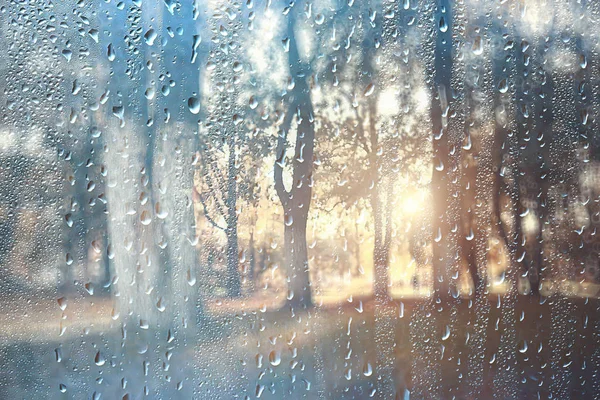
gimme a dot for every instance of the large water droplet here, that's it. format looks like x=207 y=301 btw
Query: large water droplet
x=111 y=53
x=99 y=359
x=443 y=25
x=161 y=213
x=194 y=105
x=150 y=37
x=477 y=46
x=145 y=218
x=275 y=358
x=503 y=86
x=62 y=303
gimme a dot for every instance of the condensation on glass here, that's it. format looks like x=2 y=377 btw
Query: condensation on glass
x=339 y=199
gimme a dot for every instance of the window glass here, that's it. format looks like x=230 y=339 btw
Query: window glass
x=337 y=199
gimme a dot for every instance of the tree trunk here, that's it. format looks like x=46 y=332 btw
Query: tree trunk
x=443 y=257
x=296 y=201
x=234 y=284
x=382 y=213
x=252 y=262
x=357 y=255
x=467 y=237
x=380 y=273
x=299 y=294
x=234 y=287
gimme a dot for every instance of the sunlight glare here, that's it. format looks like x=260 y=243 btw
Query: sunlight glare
x=388 y=102
x=412 y=204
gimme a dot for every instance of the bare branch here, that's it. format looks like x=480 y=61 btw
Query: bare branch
x=207 y=216
x=330 y=210
x=361 y=132
x=211 y=186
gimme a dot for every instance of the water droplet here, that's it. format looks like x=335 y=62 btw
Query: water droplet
x=359 y=309
x=119 y=112
x=439 y=166
x=195 y=44
x=275 y=358
x=76 y=87
x=160 y=305
x=150 y=37
x=69 y=220
x=523 y=347
x=99 y=360
x=194 y=105
x=161 y=213
x=238 y=66
x=348 y=374
x=443 y=25
x=286 y=44
x=170 y=4
x=477 y=46
x=367 y=369
x=145 y=218
x=259 y=390
x=289 y=220
x=111 y=53
x=446 y=334
x=583 y=61
x=237 y=119
x=67 y=54
x=503 y=86
x=150 y=93
x=89 y=288
x=110 y=252
x=62 y=303
x=470 y=235
x=191 y=278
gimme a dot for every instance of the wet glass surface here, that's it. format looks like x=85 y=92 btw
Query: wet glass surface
x=301 y=200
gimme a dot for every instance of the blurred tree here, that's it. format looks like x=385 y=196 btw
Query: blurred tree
x=296 y=201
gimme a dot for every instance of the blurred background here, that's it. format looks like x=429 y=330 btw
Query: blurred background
x=333 y=199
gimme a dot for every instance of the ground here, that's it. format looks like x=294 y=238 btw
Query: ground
x=501 y=347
